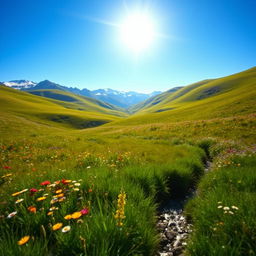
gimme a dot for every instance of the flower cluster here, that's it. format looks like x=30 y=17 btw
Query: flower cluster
x=227 y=209
x=48 y=198
x=119 y=216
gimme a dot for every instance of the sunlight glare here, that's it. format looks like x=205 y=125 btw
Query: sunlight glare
x=138 y=32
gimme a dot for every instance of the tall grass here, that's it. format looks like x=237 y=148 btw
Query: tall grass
x=224 y=212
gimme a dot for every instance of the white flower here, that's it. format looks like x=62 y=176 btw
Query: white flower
x=88 y=167
x=220 y=206
x=66 y=229
x=76 y=189
x=230 y=212
x=226 y=208
x=219 y=202
x=234 y=207
x=77 y=184
x=11 y=215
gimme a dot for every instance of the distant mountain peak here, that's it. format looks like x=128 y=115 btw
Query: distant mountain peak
x=20 y=84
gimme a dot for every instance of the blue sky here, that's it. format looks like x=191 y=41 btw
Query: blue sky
x=65 y=42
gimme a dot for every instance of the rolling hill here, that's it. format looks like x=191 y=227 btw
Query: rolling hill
x=222 y=97
x=78 y=113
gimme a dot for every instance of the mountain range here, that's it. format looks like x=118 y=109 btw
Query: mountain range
x=119 y=98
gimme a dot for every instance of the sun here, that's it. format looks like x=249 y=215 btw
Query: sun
x=137 y=31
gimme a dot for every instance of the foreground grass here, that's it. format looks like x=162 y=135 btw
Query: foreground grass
x=91 y=182
x=224 y=211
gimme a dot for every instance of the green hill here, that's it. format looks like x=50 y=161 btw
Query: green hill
x=17 y=107
x=73 y=101
x=222 y=97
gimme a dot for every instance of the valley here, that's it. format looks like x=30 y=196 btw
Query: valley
x=82 y=176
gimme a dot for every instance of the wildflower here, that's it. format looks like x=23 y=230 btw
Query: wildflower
x=33 y=190
x=45 y=183
x=49 y=213
x=63 y=181
x=7 y=175
x=68 y=217
x=41 y=198
x=19 y=192
x=230 y=212
x=76 y=189
x=220 y=206
x=66 y=229
x=119 y=216
x=76 y=215
x=89 y=190
x=59 y=195
x=80 y=221
x=234 y=207
x=7 y=167
x=57 y=226
x=226 y=208
x=61 y=199
x=54 y=208
x=77 y=184
x=84 y=211
x=58 y=191
x=219 y=202
x=19 y=201
x=11 y=215
x=32 y=209
x=23 y=240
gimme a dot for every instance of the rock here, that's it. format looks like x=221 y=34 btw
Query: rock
x=177 y=251
x=170 y=235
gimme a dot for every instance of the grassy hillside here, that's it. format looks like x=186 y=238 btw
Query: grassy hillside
x=73 y=101
x=16 y=104
x=219 y=98
x=97 y=191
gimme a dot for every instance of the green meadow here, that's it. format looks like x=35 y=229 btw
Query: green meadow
x=81 y=177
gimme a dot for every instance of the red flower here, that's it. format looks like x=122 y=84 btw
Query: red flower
x=84 y=211
x=45 y=183
x=33 y=190
x=7 y=167
x=63 y=181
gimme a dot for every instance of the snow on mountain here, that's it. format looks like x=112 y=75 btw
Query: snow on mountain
x=20 y=84
x=122 y=99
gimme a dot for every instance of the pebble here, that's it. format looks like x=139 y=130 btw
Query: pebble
x=174 y=231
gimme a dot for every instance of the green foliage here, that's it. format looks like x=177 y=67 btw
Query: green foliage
x=224 y=211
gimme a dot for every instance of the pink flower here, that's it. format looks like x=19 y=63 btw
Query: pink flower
x=84 y=211
x=45 y=183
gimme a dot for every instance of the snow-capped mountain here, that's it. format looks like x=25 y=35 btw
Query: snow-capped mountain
x=20 y=84
x=119 y=98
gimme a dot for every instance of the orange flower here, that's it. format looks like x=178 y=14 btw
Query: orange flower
x=68 y=217
x=58 y=191
x=32 y=209
x=23 y=240
x=57 y=226
x=50 y=213
x=60 y=195
x=89 y=190
x=76 y=215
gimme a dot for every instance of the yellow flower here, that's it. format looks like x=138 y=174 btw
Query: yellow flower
x=57 y=226
x=76 y=215
x=68 y=217
x=119 y=216
x=41 y=198
x=50 y=213
x=58 y=191
x=23 y=240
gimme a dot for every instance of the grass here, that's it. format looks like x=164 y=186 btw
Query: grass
x=100 y=179
x=149 y=157
x=224 y=212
